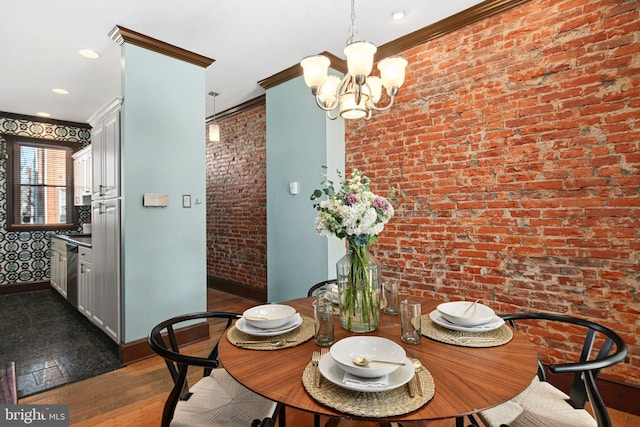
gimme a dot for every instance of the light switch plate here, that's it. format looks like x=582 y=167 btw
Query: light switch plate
x=186 y=200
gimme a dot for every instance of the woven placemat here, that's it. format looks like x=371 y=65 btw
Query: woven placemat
x=369 y=404
x=494 y=338
x=302 y=333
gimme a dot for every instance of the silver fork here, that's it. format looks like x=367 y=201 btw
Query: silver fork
x=315 y=358
x=317 y=374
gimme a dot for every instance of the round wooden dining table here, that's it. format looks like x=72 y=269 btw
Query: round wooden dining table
x=467 y=379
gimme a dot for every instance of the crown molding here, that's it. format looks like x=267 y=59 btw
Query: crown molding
x=247 y=105
x=294 y=71
x=445 y=26
x=461 y=19
x=122 y=35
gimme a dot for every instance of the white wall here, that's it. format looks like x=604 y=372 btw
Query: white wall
x=163 y=151
x=300 y=139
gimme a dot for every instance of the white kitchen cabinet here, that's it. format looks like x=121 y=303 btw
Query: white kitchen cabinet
x=86 y=286
x=105 y=140
x=105 y=216
x=82 y=175
x=59 y=266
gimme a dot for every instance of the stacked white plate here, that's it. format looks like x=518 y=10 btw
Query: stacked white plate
x=454 y=315
x=269 y=320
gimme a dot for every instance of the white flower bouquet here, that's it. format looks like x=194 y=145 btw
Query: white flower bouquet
x=354 y=212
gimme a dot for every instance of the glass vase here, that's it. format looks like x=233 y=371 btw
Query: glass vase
x=359 y=275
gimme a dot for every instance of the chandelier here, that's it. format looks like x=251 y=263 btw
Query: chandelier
x=356 y=95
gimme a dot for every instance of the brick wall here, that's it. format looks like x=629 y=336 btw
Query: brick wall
x=515 y=146
x=236 y=200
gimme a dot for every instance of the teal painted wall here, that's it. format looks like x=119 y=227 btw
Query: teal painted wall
x=299 y=140
x=163 y=249
x=335 y=151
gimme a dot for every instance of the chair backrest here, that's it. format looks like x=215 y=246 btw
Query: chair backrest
x=590 y=362
x=313 y=288
x=163 y=341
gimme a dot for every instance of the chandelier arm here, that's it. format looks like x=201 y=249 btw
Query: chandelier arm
x=343 y=84
x=330 y=117
x=358 y=89
x=375 y=107
x=321 y=105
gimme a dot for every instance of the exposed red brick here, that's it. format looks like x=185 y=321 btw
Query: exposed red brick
x=528 y=163
x=236 y=200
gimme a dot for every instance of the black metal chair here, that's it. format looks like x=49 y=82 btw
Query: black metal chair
x=215 y=400
x=543 y=404
x=315 y=287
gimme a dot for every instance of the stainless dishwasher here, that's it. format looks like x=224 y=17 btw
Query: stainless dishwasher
x=72 y=273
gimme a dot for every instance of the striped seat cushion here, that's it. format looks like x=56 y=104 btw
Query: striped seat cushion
x=219 y=400
x=540 y=404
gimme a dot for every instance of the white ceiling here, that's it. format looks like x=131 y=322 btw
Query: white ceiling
x=249 y=40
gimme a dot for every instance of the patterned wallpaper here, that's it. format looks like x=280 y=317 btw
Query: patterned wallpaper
x=25 y=256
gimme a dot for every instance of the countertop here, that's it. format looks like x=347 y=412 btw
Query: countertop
x=79 y=239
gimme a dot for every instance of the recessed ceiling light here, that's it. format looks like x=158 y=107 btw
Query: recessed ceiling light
x=398 y=14
x=43 y=114
x=88 y=53
x=60 y=91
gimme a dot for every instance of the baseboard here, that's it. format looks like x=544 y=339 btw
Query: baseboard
x=18 y=288
x=138 y=350
x=236 y=288
x=616 y=395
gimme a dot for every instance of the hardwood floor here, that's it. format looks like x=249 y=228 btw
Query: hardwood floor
x=135 y=394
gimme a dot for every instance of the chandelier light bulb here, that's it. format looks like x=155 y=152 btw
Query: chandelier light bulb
x=360 y=58
x=329 y=89
x=350 y=109
x=392 y=71
x=315 y=70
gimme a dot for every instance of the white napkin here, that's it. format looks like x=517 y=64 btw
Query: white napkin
x=335 y=294
x=491 y=324
x=375 y=382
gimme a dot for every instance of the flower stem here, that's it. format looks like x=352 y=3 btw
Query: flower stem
x=360 y=302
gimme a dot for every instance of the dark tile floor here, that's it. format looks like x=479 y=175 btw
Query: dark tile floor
x=51 y=342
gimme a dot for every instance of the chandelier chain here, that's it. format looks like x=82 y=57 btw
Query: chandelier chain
x=353 y=29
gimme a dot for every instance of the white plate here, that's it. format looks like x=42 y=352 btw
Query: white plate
x=244 y=326
x=334 y=373
x=495 y=323
x=466 y=313
x=345 y=350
